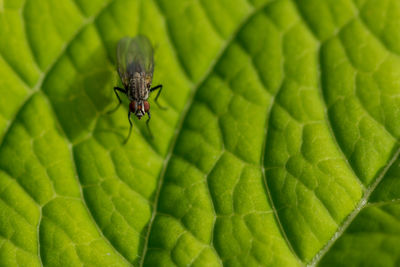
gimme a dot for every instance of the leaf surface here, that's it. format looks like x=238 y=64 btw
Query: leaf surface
x=279 y=146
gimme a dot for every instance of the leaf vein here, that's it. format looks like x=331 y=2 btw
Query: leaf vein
x=361 y=204
x=184 y=114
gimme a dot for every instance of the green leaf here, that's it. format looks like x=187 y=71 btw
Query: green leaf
x=279 y=146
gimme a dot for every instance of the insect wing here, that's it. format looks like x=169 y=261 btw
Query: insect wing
x=134 y=55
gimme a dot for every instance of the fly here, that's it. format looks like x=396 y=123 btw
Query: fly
x=135 y=66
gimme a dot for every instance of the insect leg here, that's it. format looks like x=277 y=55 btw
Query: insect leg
x=158 y=94
x=130 y=128
x=119 y=99
x=147 y=124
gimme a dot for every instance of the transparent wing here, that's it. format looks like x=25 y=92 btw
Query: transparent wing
x=134 y=55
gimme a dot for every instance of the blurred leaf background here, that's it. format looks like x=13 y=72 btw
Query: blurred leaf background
x=279 y=146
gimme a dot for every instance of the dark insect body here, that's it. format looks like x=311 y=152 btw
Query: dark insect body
x=135 y=65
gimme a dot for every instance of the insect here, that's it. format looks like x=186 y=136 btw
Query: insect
x=135 y=66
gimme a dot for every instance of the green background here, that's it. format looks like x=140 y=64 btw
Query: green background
x=279 y=146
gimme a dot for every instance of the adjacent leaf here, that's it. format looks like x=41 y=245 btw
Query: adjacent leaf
x=279 y=146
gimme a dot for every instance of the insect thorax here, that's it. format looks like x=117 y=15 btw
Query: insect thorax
x=138 y=86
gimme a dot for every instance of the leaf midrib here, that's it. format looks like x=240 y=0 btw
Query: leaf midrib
x=177 y=133
x=198 y=85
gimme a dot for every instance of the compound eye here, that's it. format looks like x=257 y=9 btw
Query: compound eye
x=146 y=106
x=148 y=85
